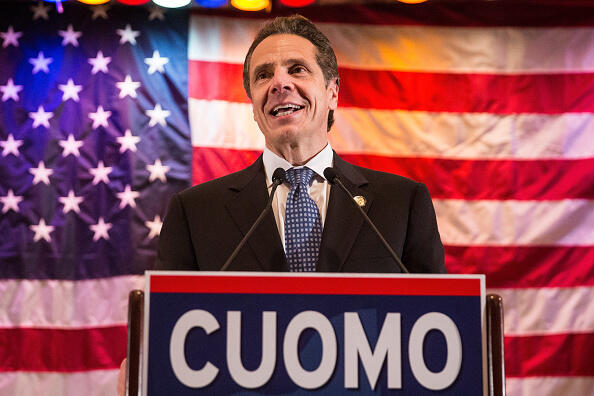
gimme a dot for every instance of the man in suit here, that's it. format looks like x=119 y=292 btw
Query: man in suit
x=291 y=76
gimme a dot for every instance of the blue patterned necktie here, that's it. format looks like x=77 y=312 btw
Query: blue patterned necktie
x=303 y=227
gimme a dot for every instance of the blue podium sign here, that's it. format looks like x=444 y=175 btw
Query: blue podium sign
x=236 y=333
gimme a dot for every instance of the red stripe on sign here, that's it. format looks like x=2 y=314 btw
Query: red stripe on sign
x=445 y=178
x=313 y=285
x=436 y=92
x=524 y=266
x=62 y=350
x=550 y=355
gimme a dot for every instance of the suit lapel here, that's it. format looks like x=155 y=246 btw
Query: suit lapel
x=343 y=221
x=249 y=198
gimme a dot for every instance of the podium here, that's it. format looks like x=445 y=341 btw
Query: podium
x=252 y=333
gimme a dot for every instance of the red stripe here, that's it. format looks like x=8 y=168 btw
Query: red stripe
x=445 y=178
x=438 y=92
x=524 y=266
x=326 y=285
x=62 y=350
x=549 y=355
x=507 y=13
x=211 y=162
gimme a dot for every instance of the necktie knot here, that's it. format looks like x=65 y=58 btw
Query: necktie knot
x=299 y=176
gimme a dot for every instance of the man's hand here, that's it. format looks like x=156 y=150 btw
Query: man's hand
x=122 y=379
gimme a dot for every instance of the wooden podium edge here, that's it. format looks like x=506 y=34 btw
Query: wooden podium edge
x=495 y=345
x=134 y=349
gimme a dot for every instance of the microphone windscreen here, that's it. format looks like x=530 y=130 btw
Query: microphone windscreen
x=330 y=174
x=279 y=175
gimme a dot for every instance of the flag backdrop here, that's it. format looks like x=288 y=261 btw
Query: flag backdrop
x=491 y=108
x=94 y=139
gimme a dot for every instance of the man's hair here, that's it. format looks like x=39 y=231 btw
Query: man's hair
x=300 y=26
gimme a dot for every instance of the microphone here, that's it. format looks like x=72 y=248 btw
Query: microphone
x=278 y=178
x=332 y=177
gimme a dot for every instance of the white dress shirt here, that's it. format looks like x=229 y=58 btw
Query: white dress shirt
x=319 y=188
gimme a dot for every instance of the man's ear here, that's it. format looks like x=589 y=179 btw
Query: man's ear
x=332 y=91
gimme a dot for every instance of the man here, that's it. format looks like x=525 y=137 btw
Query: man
x=291 y=76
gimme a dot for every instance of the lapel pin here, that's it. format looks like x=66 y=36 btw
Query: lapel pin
x=360 y=200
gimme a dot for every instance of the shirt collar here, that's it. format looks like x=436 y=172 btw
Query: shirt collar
x=318 y=164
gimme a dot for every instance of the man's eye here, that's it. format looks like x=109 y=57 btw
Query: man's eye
x=261 y=76
x=298 y=69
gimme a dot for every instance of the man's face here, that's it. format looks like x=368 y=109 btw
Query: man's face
x=290 y=99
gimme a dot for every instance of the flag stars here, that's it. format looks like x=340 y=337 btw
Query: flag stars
x=100 y=117
x=10 y=91
x=100 y=63
x=128 y=87
x=41 y=117
x=40 y=11
x=10 y=146
x=41 y=174
x=41 y=63
x=69 y=36
x=156 y=13
x=158 y=171
x=157 y=115
x=10 y=37
x=70 y=91
x=10 y=202
x=100 y=173
x=71 y=202
x=154 y=226
x=42 y=231
x=99 y=11
x=127 y=197
x=128 y=35
x=100 y=230
x=156 y=63
x=128 y=141
x=70 y=146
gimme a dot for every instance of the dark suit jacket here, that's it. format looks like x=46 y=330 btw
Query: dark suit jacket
x=206 y=222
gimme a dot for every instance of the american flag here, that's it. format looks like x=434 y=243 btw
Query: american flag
x=491 y=107
x=94 y=139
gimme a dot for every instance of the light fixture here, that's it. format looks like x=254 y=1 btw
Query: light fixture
x=93 y=2
x=133 y=2
x=250 y=5
x=412 y=1
x=297 y=3
x=172 y=3
x=211 y=3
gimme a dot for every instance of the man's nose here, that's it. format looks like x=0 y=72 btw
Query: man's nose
x=281 y=82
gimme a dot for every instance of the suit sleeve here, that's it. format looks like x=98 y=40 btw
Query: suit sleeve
x=175 y=250
x=423 y=251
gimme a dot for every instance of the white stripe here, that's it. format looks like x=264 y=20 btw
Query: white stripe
x=561 y=223
x=88 y=383
x=542 y=311
x=221 y=124
x=398 y=133
x=550 y=386
x=416 y=48
x=66 y=304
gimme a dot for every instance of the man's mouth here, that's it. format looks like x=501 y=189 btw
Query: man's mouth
x=285 y=109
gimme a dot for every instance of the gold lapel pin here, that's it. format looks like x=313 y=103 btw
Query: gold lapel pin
x=360 y=200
